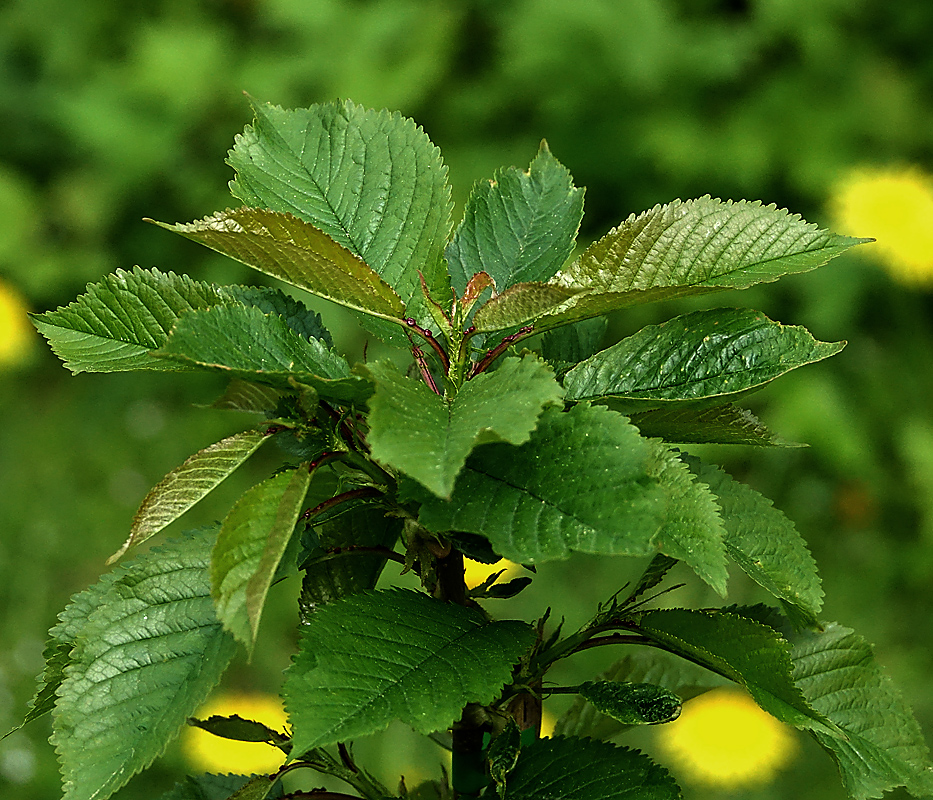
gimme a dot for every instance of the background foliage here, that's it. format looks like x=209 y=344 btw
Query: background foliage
x=116 y=112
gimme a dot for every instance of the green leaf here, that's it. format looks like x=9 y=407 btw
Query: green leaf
x=726 y=424
x=656 y=667
x=258 y=787
x=748 y=652
x=693 y=530
x=338 y=567
x=584 y=482
x=581 y=483
x=58 y=650
x=250 y=545
x=676 y=250
x=115 y=325
x=703 y=244
x=573 y=343
x=632 y=703
x=244 y=343
x=253 y=398
x=306 y=323
x=374 y=657
x=145 y=660
x=238 y=729
x=522 y=303
x=188 y=484
x=503 y=753
x=518 y=227
x=701 y=358
x=583 y=769
x=371 y=180
x=883 y=746
x=763 y=542
x=429 y=437
x=293 y=251
x=211 y=787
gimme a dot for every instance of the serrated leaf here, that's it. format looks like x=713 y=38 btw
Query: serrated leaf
x=692 y=530
x=883 y=746
x=290 y=249
x=581 y=483
x=726 y=424
x=371 y=180
x=429 y=437
x=145 y=660
x=188 y=484
x=374 y=657
x=681 y=677
x=675 y=250
x=518 y=227
x=250 y=545
x=244 y=343
x=748 y=652
x=115 y=325
x=306 y=323
x=254 y=398
x=58 y=650
x=763 y=542
x=585 y=482
x=632 y=703
x=703 y=358
x=258 y=787
x=338 y=567
x=583 y=769
x=209 y=787
x=522 y=303
x=703 y=244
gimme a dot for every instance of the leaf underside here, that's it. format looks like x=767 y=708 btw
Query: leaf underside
x=884 y=746
x=250 y=545
x=188 y=484
x=675 y=250
x=371 y=180
x=146 y=658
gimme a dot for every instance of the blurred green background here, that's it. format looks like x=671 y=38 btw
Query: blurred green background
x=116 y=111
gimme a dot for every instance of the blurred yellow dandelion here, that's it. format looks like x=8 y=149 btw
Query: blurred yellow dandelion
x=16 y=333
x=722 y=738
x=208 y=753
x=894 y=206
x=475 y=572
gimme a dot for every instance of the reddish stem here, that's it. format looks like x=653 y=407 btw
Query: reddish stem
x=429 y=338
x=499 y=349
x=354 y=494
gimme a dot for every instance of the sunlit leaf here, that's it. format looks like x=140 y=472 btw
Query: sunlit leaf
x=188 y=484
x=296 y=252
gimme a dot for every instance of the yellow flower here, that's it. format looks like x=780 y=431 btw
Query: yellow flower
x=723 y=739
x=894 y=206
x=208 y=753
x=475 y=572
x=16 y=333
